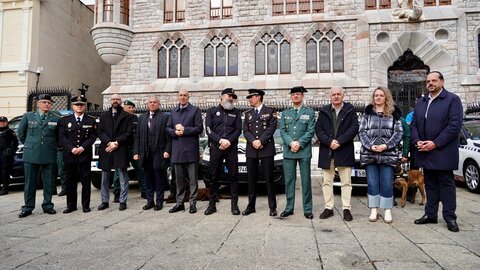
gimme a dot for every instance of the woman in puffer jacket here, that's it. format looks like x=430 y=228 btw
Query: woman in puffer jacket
x=380 y=132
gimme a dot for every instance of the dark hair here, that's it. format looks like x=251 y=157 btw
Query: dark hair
x=440 y=75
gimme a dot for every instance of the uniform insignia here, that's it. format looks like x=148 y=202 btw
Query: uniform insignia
x=69 y=125
x=232 y=115
x=218 y=113
x=86 y=126
x=250 y=117
x=305 y=117
x=52 y=123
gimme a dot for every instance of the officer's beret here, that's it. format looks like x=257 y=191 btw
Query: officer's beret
x=298 y=89
x=255 y=92
x=3 y=119
x=79 y=100
x=129 y=102
x=45 y=97
x=230 y=92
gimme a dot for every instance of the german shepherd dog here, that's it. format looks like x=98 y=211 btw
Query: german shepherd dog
x=414 y=179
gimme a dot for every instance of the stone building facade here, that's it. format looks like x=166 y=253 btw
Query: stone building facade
x=440 y=35
x=47 y=44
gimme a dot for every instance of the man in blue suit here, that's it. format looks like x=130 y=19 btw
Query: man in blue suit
x=435 y=127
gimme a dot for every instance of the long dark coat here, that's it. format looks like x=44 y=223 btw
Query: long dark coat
x=161 y=141
x=445 y=117
x=110 y=130
x=185 y=149
x=347 y=130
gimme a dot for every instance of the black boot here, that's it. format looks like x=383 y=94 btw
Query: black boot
x=212 y=208
x=3 y=192
x=235 y=210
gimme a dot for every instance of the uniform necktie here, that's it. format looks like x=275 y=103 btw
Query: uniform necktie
x=78 y=120
x=256 y=113
x=44 y=117
x=296 y=113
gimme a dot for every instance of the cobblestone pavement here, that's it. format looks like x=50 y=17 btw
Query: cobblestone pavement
x=138 y=239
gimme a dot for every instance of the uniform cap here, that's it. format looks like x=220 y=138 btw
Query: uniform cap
x=230 y=92
x=79 y=100
x=298 y=89
x=44 y=97
x=3 y=119
x=129 y=102
x=255 y=92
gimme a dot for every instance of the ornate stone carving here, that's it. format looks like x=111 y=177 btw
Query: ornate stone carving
x=410 y=10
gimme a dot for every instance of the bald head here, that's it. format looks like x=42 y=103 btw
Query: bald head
x=116 y=100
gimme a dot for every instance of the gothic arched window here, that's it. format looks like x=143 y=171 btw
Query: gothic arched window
x=221 y=57
x=272 y=55
x=173 y=60
x=325 y=53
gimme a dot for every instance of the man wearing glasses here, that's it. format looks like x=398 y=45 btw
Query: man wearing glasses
x=77 y=133
x=39 y=132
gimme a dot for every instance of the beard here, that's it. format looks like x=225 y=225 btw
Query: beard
x=227 y=105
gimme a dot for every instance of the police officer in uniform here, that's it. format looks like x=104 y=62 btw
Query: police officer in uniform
x=297 y=126
x=77 y=133
x=224 y=125
x=8 y=147
x=258 y=128
x=39 y=132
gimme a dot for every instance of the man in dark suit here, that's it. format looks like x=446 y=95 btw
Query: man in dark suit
x=185 y=126
x=114 y=131
x=152 y=149
x=258 y=128
x=77 y=133
x=39 y=133
x=8 y=148
x=435 y=127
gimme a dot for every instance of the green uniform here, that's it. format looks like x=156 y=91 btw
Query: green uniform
x=297 y=126
x=39 y=137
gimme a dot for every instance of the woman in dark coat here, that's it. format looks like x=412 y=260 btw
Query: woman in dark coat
x=380 y=133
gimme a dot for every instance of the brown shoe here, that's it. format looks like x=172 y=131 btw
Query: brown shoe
x=347 y=216
x=326 y=214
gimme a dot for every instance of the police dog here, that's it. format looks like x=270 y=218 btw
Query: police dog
x=414 y=179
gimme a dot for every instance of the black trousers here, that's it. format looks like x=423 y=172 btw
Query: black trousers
x=440 y=187
x=266 y=164
x=6 y=163
x=155 y=180
x=217 y=157
x=75 y=172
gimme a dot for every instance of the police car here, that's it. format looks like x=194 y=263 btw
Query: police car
x=359 y=176
x=469 y=150
x=242 y=164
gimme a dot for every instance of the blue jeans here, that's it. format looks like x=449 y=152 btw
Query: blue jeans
x=380 y=185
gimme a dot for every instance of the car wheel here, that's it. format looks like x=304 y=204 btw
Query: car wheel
x=471 y=174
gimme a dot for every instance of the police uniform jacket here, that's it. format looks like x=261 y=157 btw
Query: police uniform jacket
x=445 y=118
x=111 y=130
x=73 y=134
x=186 y=148
x=299 y=127
x=39 y=139
x=261 y=128
x=8 y=142
x=223 y=124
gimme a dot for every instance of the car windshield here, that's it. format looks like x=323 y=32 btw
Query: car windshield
x=473 y=129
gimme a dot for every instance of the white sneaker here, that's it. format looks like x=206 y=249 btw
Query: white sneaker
x=373 y=215
x=388 y=216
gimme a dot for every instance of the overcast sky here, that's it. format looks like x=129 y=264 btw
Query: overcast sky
x=88 y=2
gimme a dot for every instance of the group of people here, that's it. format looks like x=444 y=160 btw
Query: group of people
x=156 y=139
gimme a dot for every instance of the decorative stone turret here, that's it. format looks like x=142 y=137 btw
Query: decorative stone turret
x=111 y=33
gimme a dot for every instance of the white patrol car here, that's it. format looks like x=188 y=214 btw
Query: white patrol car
x=469 y=149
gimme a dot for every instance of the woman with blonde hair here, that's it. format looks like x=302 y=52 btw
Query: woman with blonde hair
x=380 y=133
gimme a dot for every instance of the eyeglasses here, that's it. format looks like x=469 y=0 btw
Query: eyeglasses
x=115 y=99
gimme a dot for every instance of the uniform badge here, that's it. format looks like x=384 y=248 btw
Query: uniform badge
x=250 y=117
x=69 y=125
x=218 y=113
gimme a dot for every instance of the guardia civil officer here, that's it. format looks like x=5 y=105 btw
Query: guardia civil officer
x=297 y=126
x=8 y=147
x=224 y=126
x=258 y=128
x=39 y=133
x=77 y=133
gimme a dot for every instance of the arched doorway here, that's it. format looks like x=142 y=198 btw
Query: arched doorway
x=407 y=80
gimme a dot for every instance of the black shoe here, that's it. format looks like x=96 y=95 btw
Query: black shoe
x=326 y=213
x=177 y=208
x=158 y=207
x=103 y=206
x=122 y=206
x=235 y=210
x=143 y=195
x=69 y=210
x=248 y=211
x=148 y=206
x=86 y=209
x=24 y=214
x=116 y=198
x=308 y=215
x=212 y=208
x=286 y=214
x=452 y=226
x=347 y=216
x=62 y=193
x=193 y=209
x=3 y=192
x=50 y=211
x=54 y=192
x=273 y=212
x=425 y=220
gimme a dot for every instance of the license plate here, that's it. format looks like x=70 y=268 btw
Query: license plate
x=359 y=173
x=242 y=169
